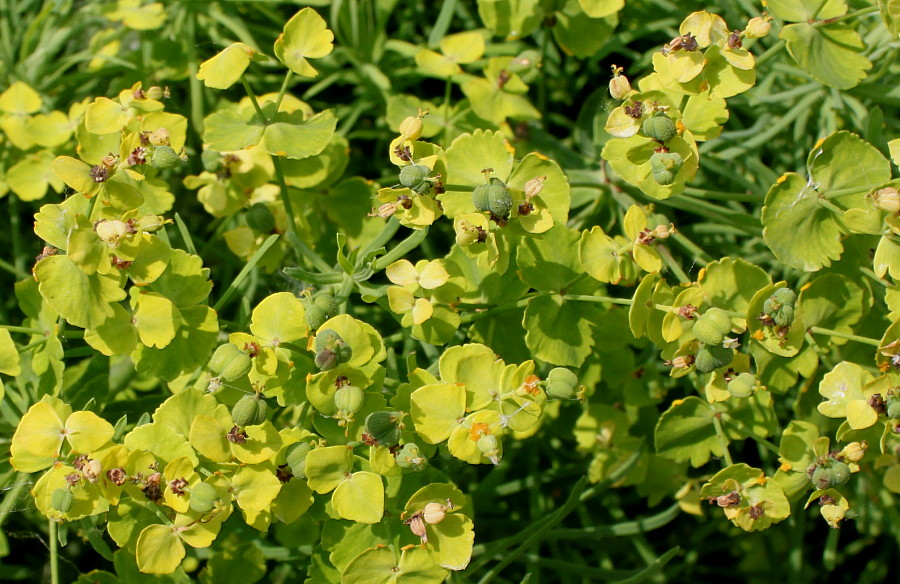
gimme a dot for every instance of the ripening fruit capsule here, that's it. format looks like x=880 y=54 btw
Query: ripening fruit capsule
x=349 y=399
x=327 y=303
x=384 y=427
x=434 y=513
x=489 y=446
x=711 y=357
x=742 y=386
x=561 y=384
x=260 y=218
x=411 y=128
x=203 y=498
x=758 y=27
x=315 y=316
x=665 y=166
x=619 y=87
x=494 y=198
x=230 y=363
x=62 y=500
x=165 y=157
x=250 y=410
x=887 y=199
x=831 y=474
x=411 y=457
x=712 y=326
x=660 y=127
x=892 y=408
x=110 y=231
x=331 y=350
x=780 y=306
x=466 y=233
x=415 y=177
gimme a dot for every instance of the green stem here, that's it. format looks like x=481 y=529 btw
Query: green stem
x=743 y=428
x=283 y=90
x=195 y=88
x=252 y=96
x=740 y=197
x=673 y=266
x=848 y=16
x=300 y=247
x=816 y=330
x=54 y=552
x=693 y=248
x=723 y=441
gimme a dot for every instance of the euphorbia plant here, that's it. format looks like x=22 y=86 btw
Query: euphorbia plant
x=475 y=308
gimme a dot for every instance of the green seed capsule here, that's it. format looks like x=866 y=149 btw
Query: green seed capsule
x=230 y=363
x=411 y=128
x=742 y=386
x=62 y=500
x=260 y=218
x=221 y=357
x=711 y=357
x=822 y=478
x=415 y=177
x=238 y=367
x=327 y=303
x=494 y=198
x=315 y=316
x=831 y=474
x=250 y=410
x=780 y=306
x=893 y=408
x=561 y=384
x=348 y=399
x=466 y=233
x=331 y=350
x=203 y=498
x=164 y=157
x=665 y=167
x=384 y=427
x=660 y=127
x=841 y=472
x=411 y=457
x=712 y=326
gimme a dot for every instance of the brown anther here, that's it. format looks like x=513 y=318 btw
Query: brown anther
x=729 y=499
x=525 y=209
x=80 y=461
x=116 y=476
x=876 y=402
x=757 y=511
x=734 y=40
x=646 y=237
x=765 y=319
x=403 y=153
x=99 y=173
x=635 y=110
x=178 y=486
x=687 y=311
x=283 y=473
x=137 y=157
x=503 y=78
x=236 y=435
